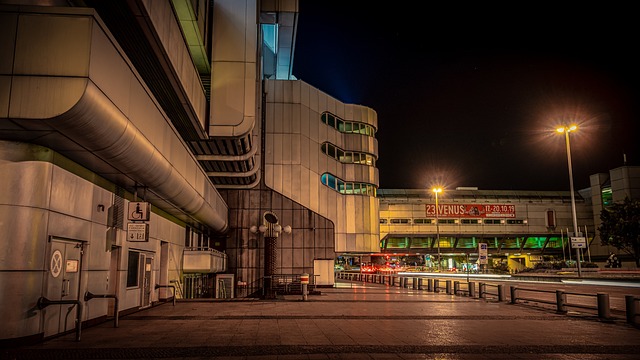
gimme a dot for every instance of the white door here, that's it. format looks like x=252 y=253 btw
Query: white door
x=63 y=283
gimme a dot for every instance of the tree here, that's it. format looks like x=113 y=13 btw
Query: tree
x=620 y=227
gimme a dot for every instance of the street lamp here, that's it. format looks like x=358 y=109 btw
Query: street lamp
x=566 y=130
x=437 y=191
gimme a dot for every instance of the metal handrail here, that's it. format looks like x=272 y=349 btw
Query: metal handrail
x=43 y=302
x=88 y=296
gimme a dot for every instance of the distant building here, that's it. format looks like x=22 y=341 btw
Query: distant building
x=520 y=228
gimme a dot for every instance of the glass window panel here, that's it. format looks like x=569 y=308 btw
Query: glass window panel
x=556 y=242
x=331 y=121
x=340 y=125
x=492 y=242
x=331 y=181
x=511 y=243
x=397 y=243
x=446 y=242
x=535 y=242
x=331 y=151
x=421 y=243
x=467 y=243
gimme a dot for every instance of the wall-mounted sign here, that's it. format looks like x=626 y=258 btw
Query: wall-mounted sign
x=472 y=210
x=138 y=211
x=72 y=266
x=137 y=232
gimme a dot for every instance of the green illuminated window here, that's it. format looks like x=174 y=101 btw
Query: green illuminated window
x=556 y=242
x=535 y=242
x=511 y=243
x=467 y=243
x=397 y=243
x=607 y=196
x=421 y=243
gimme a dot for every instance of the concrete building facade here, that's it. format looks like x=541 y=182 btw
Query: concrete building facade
x=153 y=148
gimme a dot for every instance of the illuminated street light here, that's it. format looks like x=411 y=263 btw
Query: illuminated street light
x=566 y=131
x=437 y=191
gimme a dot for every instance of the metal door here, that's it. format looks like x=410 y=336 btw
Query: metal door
x=63 y=283
x=146 y=281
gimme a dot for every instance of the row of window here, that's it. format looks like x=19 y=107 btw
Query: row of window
x=347 y=127
x=472 y=242
x=455 y=221
x=348 y=157
x=349 y=188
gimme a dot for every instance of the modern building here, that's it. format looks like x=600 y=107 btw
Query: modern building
x=519 y=228
x=152 y=147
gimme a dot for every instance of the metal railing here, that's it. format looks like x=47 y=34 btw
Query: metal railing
x=602 y=300
x=497 y=291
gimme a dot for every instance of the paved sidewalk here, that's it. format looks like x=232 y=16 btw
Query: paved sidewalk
x=349 y=321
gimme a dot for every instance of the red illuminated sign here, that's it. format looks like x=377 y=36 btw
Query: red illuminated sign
x=472 y=210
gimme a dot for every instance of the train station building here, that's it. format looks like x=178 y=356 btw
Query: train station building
x=159 y=149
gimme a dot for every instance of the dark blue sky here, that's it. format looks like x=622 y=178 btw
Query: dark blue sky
x=469 y=96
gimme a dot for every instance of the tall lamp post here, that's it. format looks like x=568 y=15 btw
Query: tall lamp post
x=437 y=191
x=566 y=130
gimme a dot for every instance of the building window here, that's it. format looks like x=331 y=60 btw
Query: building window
x=400 y=221
x=348 y=188
x=470 y=221
x=423 y=221
x=348 y=157
x=515 y=222
x=347 y=127
x=133 y=268
x=492 y=221
x=446 y=221
x=383 y=221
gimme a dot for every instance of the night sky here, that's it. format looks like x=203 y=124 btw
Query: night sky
x=471 y=95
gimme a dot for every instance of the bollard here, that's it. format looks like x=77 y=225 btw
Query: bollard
x=436 y=285
x=406 y=282
x=561 y=302
x=448 y=286
x=604 y=310
x=304 y=281
x=631 y=303
x=501 y=292
x=456 y=287
x=415 y=284
x=514 y=297
x=420 y=283
x=481 y=291
x=429 y=284
x=472 y=289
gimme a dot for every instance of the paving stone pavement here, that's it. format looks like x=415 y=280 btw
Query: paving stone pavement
x=349 y=321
